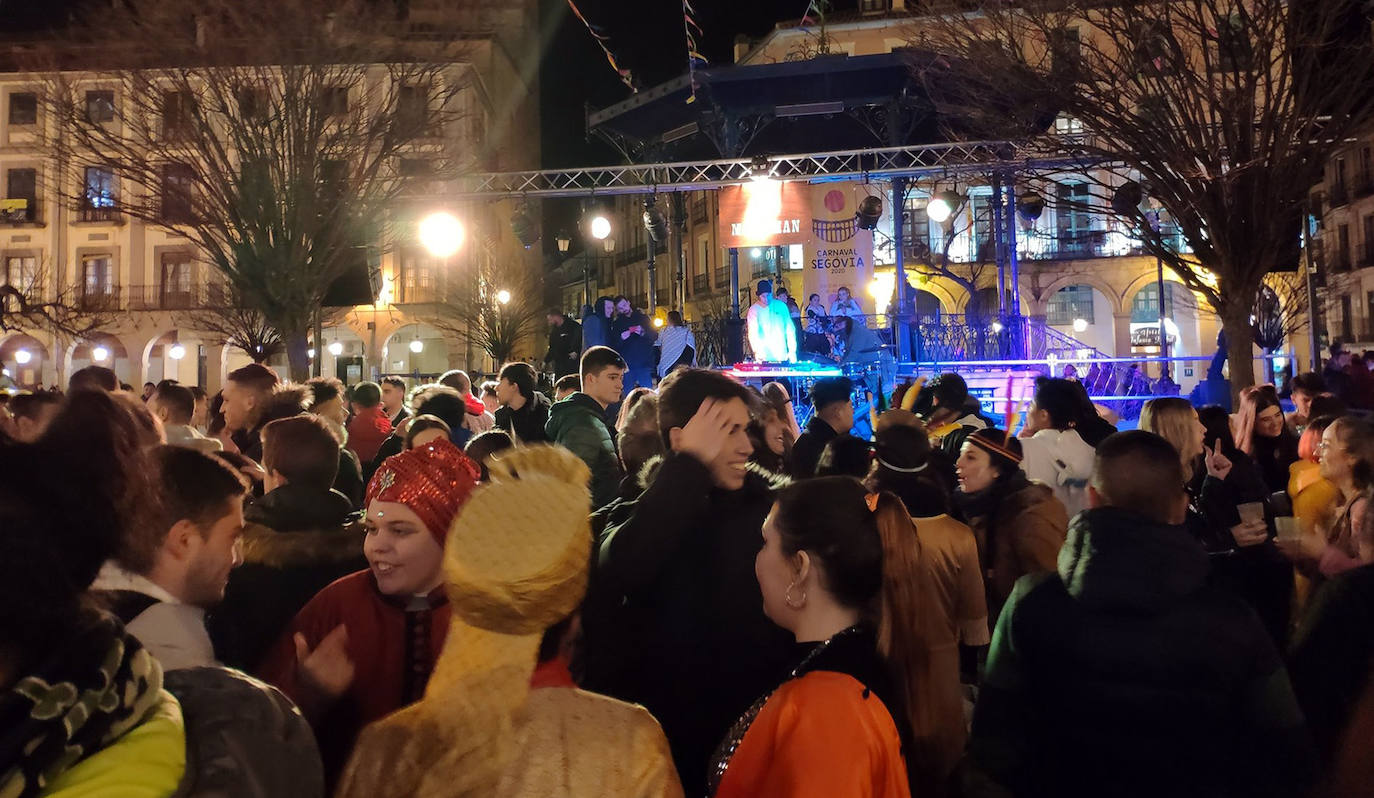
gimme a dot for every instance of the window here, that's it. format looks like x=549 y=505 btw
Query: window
x=178 y=114
x=981 y=249
x=419 y=277
x=333 y=179
x=99 y=200
x=334 y=101
x=703 y=256
x=1145 y=306
x=98 y=276
x=873 y=6
x=22 y=184
x=1342 y=248
x=1367 y=244
x=1073 y=218
x=1068 y=125
x=252 y=103
x=176 y=288
x=1070 y=303
x=1233 y=53
x=100 y=106
x=412 y=111
x=23 y=108
x=1347 y=319
x=416 y=167
x=1341 y=173
x=918 y=230
x=1066 y=50
x=178 y=193
x=21 y=273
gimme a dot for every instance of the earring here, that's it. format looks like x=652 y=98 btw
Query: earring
x=794 y=604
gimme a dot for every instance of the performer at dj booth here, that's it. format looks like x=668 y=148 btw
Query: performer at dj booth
x=864 y=357
x=772 y=334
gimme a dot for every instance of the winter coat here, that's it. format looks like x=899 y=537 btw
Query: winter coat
x=148 y=761
x=565 y=346
x=526 y=425
x=366 y=431
x=296 y=541
x=186 y=436
x=578 y=423
x=1331 y=654
x=1062 y=460
x=349 y=480
x=243 y=737
x=1273 y=456
x=638 y=348
x=172 y=631
x=1020 y=528
x=806 y=451
x=1124 y=674
x=701 y=650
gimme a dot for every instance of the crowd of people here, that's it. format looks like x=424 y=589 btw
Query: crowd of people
x=640 y=587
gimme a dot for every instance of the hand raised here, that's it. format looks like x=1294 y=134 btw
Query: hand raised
x=706 y=432
x=328 y=669
x=1217 y=463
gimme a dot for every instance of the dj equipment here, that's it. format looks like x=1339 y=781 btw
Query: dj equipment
x=770 y=371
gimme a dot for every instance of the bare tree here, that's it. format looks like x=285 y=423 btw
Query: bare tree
x=26 y=305
x=232 y=322
x=473 y=309
x=277 y=135
x=1226 y=111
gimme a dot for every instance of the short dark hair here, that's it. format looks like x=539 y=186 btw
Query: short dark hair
x=681 y=393
x=93 y=377
x=1133 y=470
x=568 y=381
x=28 y=404
x=485 y=445
x=303 y=449
x=324 y=389
x=423 y=422
x=621 y=298
x=395 y=382
x=255 y=376
x=177 y=400
x=1308 y=382
x=446 y=404
x=599 y=358
x=198 y=393
x=845 y=456
x=456 y=379
x=522 y=376
x=366 y=395
x=831 y=390
x=1325 y=404
x=194 y=486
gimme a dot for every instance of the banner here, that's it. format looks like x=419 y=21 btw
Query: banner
x=837 y=253
x=764 y=213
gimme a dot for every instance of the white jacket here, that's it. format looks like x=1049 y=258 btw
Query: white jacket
x=1062 y=460
x=772 y=333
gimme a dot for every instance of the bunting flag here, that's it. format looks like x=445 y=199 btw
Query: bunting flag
x=601 y=40
x=694 y=56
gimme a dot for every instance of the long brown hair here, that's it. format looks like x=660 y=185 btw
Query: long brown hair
x=1253 y=401
x=1172 y=418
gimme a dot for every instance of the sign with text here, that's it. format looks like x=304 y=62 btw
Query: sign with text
x=837 y=253
x=765 y=213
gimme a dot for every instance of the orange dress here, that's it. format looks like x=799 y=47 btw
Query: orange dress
x=822 y=734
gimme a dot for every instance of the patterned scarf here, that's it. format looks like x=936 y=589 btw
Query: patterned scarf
x=84 y=695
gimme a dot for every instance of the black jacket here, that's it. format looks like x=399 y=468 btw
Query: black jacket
x=1331 y=656
x=565 y=346
x=296 y=541
x=806 y=452
x=702 y=651
x=527 y=423
x=1124 y=674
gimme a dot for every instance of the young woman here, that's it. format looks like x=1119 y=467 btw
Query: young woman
x=1260 y=432
x=677 y=345
x=366 y=644
x=1347 y=460
x=1055 y=453
x=1019 y=524
x=425 y=429
x=772 y=437
x=1315 y=498
x=839 y=569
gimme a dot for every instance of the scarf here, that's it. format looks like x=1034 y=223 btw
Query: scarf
x=986 y=501
x=92 y=688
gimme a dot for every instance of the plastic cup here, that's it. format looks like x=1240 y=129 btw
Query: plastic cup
x=1287 y=528
x=1251 y=512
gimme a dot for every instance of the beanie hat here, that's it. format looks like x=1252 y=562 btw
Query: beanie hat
x=433 y=480
x=1004 y=449
x=765 y=287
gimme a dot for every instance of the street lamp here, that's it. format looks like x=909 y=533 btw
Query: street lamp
x=22 y=357
x=335 y=348
x=441 y=234
x=503 y=296
x=177 y=352
x=417 y=346
x=100 y=353
x=943 y=205
x=600 y=227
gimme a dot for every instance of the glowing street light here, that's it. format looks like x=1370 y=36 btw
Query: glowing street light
x=943 y=205
x=1080 y=325
x=417 y=346
x=600 y=228
x=335 y=348
x=177 y=352
x=441 y=234
x=100 y=353
x=22 y=356
x=503 y=296
x=997 y=326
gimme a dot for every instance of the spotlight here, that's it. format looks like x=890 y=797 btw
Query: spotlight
x=1126 y=200
x=441 y=233
x=1080 y=325
x=503 y=296
x=417 y=346
x=870 y=211
x=524 y=228
x=658 y=322
x=997 y=326
x=335 y=348
x=654 y=220
x=760 y=169
x=100 y=353
x=176 y=352
x=943 y=205
x=22 y=356
x=756 y=253
x=600 y=227
x=1030 y=205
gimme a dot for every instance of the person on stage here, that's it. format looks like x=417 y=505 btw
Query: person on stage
x=772 y=334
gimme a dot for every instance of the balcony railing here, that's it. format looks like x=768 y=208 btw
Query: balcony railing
x=1091 y=244
x=87 y=213
x=419 y=294
x=176 y=297
x=100 y=300
x=700 y=284
x=722 y=277
x=1364 y=185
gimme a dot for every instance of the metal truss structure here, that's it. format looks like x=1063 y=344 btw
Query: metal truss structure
x=926 y=161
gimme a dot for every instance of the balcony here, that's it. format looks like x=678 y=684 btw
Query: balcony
x=107 y=214
x=700 y=284
x=10 y=303
x=1340 y=260
x=1339 y=196
x=175 y=297
x=100 y=300
x=722 y=277
x=418 y=294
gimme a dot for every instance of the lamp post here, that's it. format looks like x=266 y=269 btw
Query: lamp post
x=564 y=242
x=600 y=229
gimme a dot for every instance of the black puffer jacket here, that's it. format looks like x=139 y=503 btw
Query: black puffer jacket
x=1124 y=674
x=527 y=423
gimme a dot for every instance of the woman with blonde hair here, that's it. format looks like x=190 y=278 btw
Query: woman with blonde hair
x=1347 y=460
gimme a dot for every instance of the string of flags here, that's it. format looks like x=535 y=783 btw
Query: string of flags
x=601 y=40
x=694 y=56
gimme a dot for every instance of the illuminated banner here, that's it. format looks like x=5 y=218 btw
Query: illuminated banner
x=765 y=213
x=838 y=254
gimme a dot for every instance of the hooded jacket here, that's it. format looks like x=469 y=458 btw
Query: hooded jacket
x=578 y=423
x=1124 y=674
x=296 y=541
x=526 y=425
x=1020 y=528
x=1062 y=460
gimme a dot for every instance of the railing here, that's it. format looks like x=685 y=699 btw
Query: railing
x=103 y=300
x=722 y=277
x=700 y=284
x=1091 y=244
x=419 y=295
x=87 y=213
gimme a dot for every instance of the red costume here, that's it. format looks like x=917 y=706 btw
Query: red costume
x=367 y=430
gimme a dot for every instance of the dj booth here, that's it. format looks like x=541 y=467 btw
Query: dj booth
x=799 y=377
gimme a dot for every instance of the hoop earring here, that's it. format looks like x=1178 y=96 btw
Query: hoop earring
x=787 y=598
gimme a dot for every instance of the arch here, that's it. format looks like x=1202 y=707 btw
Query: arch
x=161 y=360
x=36 y=354
x=82 y=353
x=1133 y=287
x=1093 y=280
x=399 y=355
x=990 y=292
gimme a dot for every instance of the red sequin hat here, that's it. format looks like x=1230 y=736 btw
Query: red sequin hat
x=433 y=480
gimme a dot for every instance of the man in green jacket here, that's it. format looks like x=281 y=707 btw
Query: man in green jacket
x=579 y=421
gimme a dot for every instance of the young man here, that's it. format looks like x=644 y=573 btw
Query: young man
x=301 y=535
x=579 y=421
x=478 y=419
x=832 y=399
x=148 y=389
x=701 y=650
x=370 y=425
x=200 y=417
x=565 y=343
x=32 y=413
x=772 y=335
x=524 y=410
x=633 y=336
x=175 y=406
x=394 y=400
x=1305 y=388
x=247 y=391
x=949 y=412
x=173 y=569
x=566 y=386
x=1125 y=673
x=97 y=377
